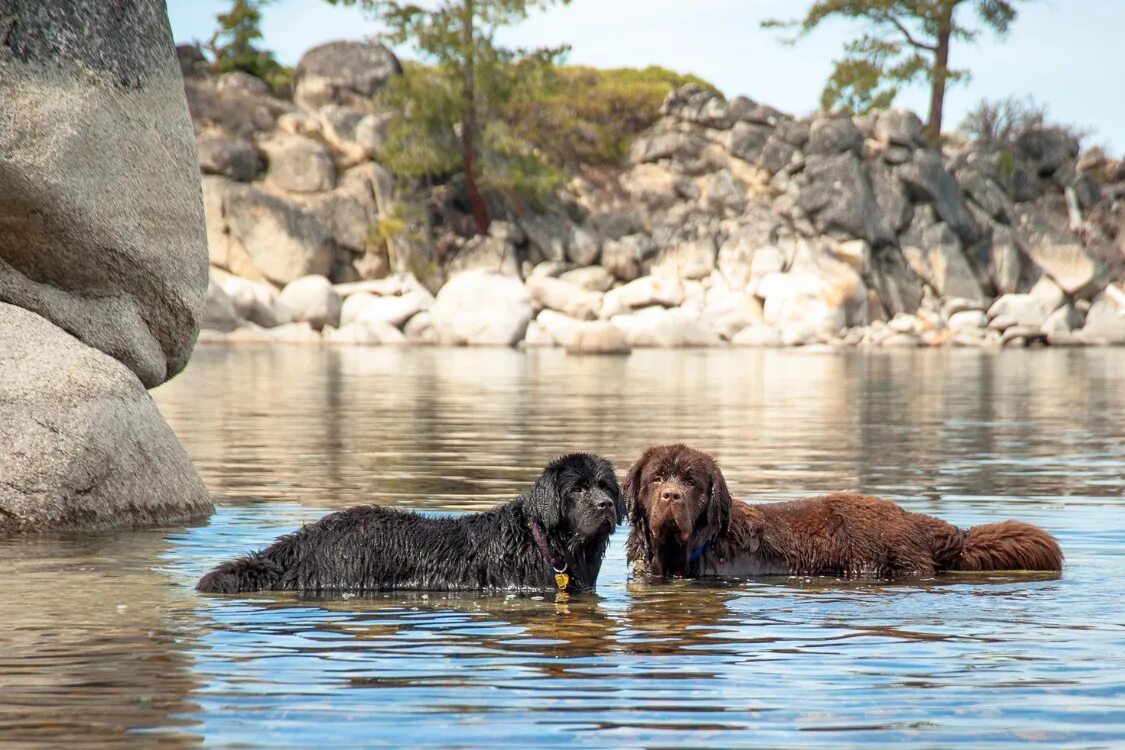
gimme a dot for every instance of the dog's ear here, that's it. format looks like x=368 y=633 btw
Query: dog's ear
x=545 y=502
x=632 y=488
x=618 y=499
x=719 y=506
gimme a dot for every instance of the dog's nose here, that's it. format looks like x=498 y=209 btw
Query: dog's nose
x=671 y=495
x=605 y=503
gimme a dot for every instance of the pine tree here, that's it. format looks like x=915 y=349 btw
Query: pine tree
x=466 y=78
x=233 y=46
x=907 y=40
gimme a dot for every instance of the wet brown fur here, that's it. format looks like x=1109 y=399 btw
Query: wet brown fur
x=678 y=503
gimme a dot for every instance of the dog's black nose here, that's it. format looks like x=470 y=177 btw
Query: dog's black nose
x=605 y=502
x=672 y=495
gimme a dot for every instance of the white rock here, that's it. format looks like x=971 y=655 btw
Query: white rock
x=766 y=261
x=854 y=253
x=367 y=333
x=420 y=329
x=688 y=260
x=799 y=333
x=901 y=341
x=219 y=313
x=567 y=298
x=313 y=300
x=256 y=301
x=904 y=323
x=561 y=328
x=1105 y=323
x=479 y=308
x=1002 y=322
x=538 y=336
x=597 y=337
x=967 y=319
x=644 y=292
x=1065 y=320
x=593 y=278
x=394 y=311
x=1048 y=293
x=663 y=327
x=758 y=334
x=1025 y=309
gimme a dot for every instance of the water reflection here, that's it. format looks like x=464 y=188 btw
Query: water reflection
x=93 y=650
x=459 y=428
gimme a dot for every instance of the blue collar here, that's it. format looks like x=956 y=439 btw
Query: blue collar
x=697 y=552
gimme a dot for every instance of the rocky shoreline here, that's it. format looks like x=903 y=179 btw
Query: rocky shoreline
x=731 y=224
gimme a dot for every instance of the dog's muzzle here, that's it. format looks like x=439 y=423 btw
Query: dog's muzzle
x=669 y=516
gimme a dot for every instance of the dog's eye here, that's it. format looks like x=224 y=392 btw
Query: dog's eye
x=657 y=479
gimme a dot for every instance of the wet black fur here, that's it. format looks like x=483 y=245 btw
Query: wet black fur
x=370 y=548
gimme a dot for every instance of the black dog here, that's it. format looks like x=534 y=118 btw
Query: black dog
x=552 y=538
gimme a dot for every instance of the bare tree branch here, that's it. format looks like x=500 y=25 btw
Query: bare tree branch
x=906 y=32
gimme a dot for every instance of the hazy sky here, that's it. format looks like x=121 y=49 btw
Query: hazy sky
x=1066 y=53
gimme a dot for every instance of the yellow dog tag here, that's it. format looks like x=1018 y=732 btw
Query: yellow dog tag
x=562 y=580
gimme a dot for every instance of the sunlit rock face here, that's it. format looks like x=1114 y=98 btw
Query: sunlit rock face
x=103 y=265
x=101 y=219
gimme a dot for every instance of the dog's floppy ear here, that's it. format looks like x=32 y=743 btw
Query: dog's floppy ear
x=719 y=505
x=632 y=487
x=618 y=500
x=638 y=546
x=545 y=501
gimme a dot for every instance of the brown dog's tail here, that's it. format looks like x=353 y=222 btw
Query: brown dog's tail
x=1008 y=545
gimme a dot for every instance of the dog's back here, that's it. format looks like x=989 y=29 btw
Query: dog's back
x=365 y=548
x=863 y=536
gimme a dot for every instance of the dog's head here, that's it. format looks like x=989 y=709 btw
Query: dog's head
x=578 y=495
x=678 y=502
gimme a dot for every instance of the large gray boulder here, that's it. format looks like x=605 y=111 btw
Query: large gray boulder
x=344 y=72
x=82 y=445
x=279 y=238
x=1048 y=242
x=935 y=255
x=927 y=179
x=228 y=156
x=839 y=196
x=101 y=222
x=1047 y=149
x=833 y=135
x=299 y=164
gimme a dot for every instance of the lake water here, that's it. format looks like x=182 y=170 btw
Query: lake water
x=103 y=642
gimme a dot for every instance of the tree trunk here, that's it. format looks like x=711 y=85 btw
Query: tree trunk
x=941 y=71
x=469 y=128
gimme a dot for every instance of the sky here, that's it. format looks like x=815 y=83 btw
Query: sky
x=1066 y=54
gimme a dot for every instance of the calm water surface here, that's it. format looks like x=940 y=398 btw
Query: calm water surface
x=103 y=643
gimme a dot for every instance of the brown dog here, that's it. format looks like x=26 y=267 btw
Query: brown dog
x=684 y=523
